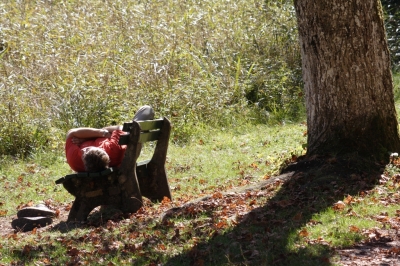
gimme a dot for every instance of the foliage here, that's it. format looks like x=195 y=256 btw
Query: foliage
x=275 y=83
x=396 y=90
x=70 y=63
x=392 y=24
x=22 y=131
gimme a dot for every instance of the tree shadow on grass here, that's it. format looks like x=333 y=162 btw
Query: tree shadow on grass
x=265 y=236
x=96 y=218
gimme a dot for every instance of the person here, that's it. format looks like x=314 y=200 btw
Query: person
x=94 y=150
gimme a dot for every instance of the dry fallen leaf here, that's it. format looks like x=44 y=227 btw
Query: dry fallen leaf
x=382 y=218
x=298 y=217
x=27 y=250
x=339 y=206
x=254 y=165
x=266 y=176
x=217 y=195
x=221 y=224
x=73 y=252
x=348 y=199
x=46 y=261
x=304 y=233
x=162 y=247
x=354 y=228
x=165 y=201
x=396 y=178
x=394 y=250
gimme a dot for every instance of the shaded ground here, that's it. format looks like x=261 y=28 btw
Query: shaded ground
x=264 y=219
x=379 y=253
x=261 y=236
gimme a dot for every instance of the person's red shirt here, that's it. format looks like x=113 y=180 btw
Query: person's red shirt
x=116 y=152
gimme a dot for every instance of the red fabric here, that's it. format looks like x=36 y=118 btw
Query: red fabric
x=116 y=152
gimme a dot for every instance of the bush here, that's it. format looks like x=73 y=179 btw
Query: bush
x=275 y=84
x=20 y=133
x=200 y=63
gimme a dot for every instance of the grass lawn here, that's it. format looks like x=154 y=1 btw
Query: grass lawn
x=215 y=162
x=299 y=220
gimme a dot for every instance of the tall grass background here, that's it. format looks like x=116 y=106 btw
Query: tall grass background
x=202 y=64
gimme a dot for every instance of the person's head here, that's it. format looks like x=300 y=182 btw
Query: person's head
x=95 y=159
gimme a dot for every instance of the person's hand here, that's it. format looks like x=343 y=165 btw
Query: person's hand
x=106 y=134
x=77 y=141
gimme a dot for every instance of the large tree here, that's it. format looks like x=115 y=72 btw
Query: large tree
x=347 y=77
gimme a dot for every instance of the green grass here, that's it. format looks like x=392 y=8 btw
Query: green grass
x=233 y=157
x=221 y=160
x=293 y=223
x=217 y=160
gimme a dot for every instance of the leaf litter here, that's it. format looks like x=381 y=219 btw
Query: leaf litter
x=172 y=227
x=381 y=245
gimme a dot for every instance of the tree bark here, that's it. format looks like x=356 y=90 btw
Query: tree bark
x=347 y=78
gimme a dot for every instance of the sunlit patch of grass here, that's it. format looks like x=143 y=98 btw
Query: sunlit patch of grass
x=214 y=160
x=232 y=157
x=351 y=220
x=332 y=229
x=31 y=181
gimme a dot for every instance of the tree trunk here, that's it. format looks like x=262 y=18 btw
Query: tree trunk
x=347 y=78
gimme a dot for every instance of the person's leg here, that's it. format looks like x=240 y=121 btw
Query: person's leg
x=145 y=112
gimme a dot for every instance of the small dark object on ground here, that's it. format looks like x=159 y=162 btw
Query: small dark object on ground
x=25 y=224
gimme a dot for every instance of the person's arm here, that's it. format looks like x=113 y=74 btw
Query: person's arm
x=86 y=133
x=112 y=128
x=90 y=133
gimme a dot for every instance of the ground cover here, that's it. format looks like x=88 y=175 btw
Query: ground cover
x=214 y=162
x=230 y=207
